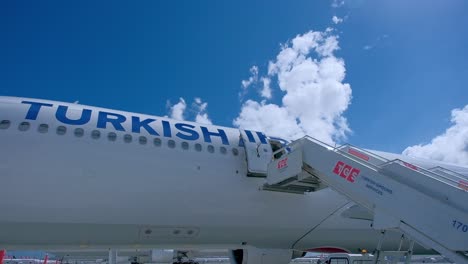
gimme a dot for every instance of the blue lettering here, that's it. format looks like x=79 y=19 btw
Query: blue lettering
x=167 y=129
x=207 y=135
x=250 y=136
x=104 y=118
x=262 y=137
x=187 y=128
x=61 y=116
x=241 y=142
x=34 y=109
x=137 y=124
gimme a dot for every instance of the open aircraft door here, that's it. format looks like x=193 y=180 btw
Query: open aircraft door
x=258 y=155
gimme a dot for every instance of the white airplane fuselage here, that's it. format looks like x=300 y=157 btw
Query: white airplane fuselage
x=79 y=176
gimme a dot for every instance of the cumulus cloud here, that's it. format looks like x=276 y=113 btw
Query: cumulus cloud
x=337 y=20
x=197 y=111
x=451 y=146
x=271 y=118
x=177 y=110
x=310 y=77
x=252 y=79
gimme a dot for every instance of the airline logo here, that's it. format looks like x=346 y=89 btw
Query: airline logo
x=346 y=171
x=282 y=163
x=137 y=124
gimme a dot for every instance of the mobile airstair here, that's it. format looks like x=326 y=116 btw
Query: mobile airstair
x=427 y=206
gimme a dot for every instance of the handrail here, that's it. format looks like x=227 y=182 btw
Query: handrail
x=432 y=175
x=450 y=172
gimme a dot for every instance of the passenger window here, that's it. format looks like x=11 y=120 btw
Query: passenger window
x=5 y=124
x=171 y=143
x=185 y=145
x=127 y=138
x=79 y=132
x=198 y=147
x=157 y=142
x=223 y=150
x=210 y=149
x=43 y=128
x=95 y=134
x=235 y=151
x=61 y=130
x=24 y=126
x=142 y=140
x=112 y=136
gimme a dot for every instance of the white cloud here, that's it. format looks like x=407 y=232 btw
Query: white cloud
x=200 y=109
x=266 y=90
x=327 y=48
x=367 y=47
x=337 y=20
x=177 y=110
x=203 y=119
x=252 y=79
x=196 y=112
x=315 y=96
x=337 y=3
x=271 y=118
x=451 y=146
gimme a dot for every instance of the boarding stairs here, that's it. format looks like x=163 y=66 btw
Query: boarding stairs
x=428 y=206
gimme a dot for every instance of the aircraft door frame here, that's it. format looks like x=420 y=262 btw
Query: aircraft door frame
x=258 y=155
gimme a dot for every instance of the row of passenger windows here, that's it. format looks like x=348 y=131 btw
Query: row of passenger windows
x=112 y=136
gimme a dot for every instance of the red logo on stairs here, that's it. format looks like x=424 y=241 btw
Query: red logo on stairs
x=346 y=171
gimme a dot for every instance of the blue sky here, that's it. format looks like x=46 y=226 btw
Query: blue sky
x=405 y=61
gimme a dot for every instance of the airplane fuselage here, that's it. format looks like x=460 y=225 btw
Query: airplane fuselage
x=74 y=175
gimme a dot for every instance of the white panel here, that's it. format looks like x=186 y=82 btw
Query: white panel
x=258 y=155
